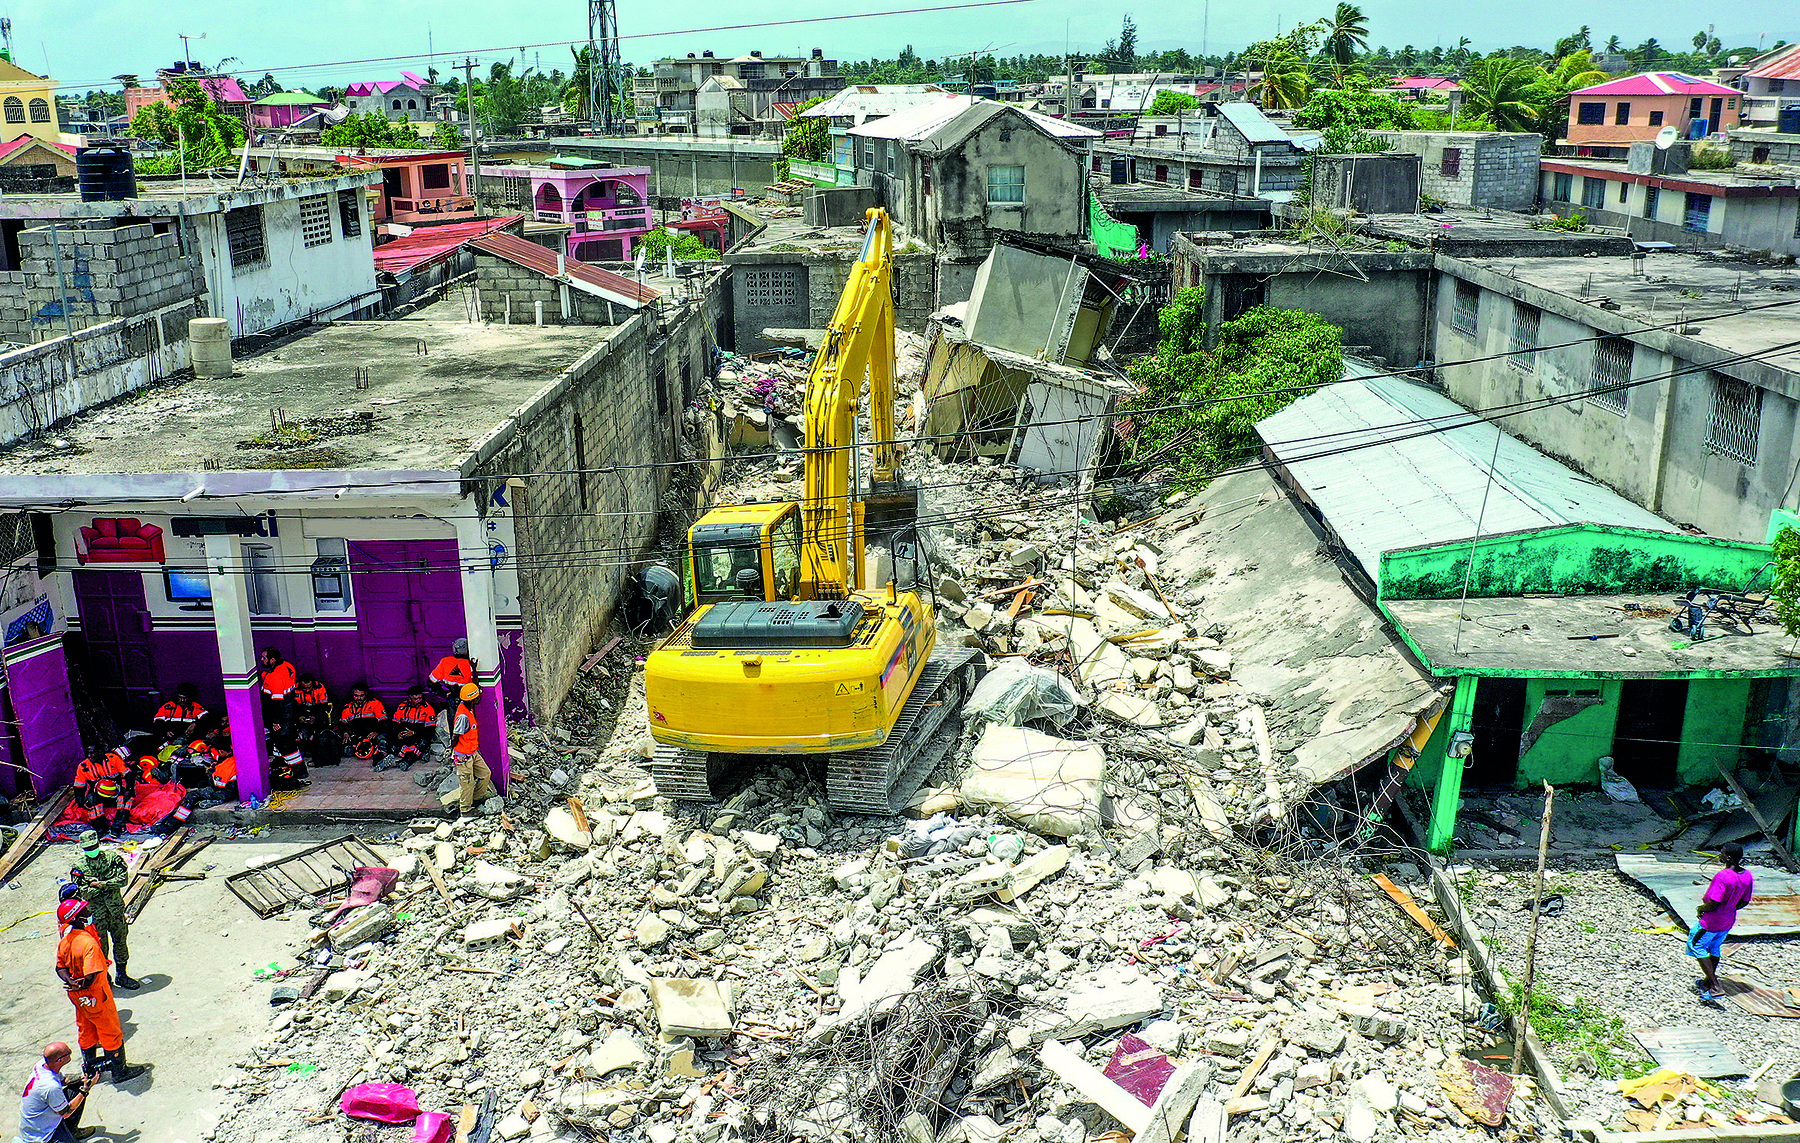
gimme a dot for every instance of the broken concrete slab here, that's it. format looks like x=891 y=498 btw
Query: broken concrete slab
x=621 y=1050
x=480 y=934
x=1026 y=876
x=561 y=825
x=1174 y=1102
x=1093 y=1086
x=362 y=924
x=893 y=975
x=1047 y=784
x=1130 y=709
x=686 y=1007
x=1100 y=1008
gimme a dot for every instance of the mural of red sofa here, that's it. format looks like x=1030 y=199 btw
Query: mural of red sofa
x=119 y=540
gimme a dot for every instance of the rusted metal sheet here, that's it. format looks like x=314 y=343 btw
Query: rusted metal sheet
x=1755 y=993
x=1679 y=884
x=1478 y=1091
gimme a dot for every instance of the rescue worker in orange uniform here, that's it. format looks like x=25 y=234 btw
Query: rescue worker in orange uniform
x=178 y=720
x=475 y=782
x=454 y=671
x=415 y=727
x=363 y=721
x=91 y=771
x=314 y=737
x=82 y=968
x=278 y=685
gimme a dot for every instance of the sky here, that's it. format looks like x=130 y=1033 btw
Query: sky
x=317 y=43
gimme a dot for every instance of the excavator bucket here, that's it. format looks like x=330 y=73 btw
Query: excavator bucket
x=890 y=514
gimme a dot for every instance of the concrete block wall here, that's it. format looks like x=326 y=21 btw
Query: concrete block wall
x=499 y=280
x=96 y=272
x=823 y=277
x=579 y=536
x=58 y=377
x=1497 y=170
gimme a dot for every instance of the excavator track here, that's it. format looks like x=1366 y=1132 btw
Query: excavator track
x=876 y=780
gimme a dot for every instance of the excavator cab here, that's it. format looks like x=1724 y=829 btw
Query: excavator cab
x=740 y=546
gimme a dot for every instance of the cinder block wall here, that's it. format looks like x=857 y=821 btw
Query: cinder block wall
x=97 y=272
x=500 y=280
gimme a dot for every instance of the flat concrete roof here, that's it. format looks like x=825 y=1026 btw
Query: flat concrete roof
x=1513 y=635
x=197 y=194
x=1724 y=180
x=1140 y=196
x=421 y=411
x=1701 y=286
x=1451 y=229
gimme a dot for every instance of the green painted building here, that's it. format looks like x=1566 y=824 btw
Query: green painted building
x=1545 y=598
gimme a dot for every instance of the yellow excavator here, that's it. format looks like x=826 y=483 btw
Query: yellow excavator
x=789 y=650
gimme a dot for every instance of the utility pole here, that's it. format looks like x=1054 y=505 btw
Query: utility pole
x=474 y=179
x=603 y=66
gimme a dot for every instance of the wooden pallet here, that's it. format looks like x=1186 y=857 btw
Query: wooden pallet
x=312 y=872
x=26 y=845
x=169 y=857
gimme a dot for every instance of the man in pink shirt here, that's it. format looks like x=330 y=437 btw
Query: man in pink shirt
x=1731 y=890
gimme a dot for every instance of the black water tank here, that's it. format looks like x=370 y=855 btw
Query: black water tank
x=1120 y=172
x=984 y=91
x=106 y=173
x=1787 y=120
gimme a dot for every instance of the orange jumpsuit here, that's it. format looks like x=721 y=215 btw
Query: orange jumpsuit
x=96 y=1015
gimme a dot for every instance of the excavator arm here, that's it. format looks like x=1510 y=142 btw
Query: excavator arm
x=858 y=344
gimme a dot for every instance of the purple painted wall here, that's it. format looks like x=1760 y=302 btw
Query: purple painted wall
x=37 y=686
x=512 y=672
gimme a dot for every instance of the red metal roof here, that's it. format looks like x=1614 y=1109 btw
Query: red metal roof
x=25 y=141
x=429 y=243
x=530 y=255
x=1781 y=67
x=1659 y=83
x=1425 y=83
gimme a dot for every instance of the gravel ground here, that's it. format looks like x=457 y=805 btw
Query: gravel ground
x=1592 y=951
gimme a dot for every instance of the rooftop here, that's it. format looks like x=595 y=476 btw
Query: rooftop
x=430 y=243
x=951 y=118
x=422 y=411
x=171 y=196
x=290 y=99
x=1736 y=305
x=1659 y=83
x=1556 y=635
x=862 y=100
x=1392 y=464
x=1732 y=183
x=1783 y=66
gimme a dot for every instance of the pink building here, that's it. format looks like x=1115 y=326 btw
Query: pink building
x=1414 y=87
x=285 y=108
x=224 y=91
x=607 y=208
x=1613 y=115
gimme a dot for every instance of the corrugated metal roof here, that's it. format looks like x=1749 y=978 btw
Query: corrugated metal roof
x=1781 y=67
x=1392 y=464
x=429 y=243
x=1659 y=83
x=941 y=122
x=592 y=279
x=1251 y=123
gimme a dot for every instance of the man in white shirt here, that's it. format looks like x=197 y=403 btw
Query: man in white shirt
x=50 y=1111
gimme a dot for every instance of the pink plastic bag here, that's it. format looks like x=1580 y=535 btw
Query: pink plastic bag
x=432 y=1127
x=371 y=884
x=382 y=1102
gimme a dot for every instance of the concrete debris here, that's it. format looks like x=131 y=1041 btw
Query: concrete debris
x=700 y=1008
x=1047 y=784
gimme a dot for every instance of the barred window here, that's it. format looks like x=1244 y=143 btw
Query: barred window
x=1736 y=419
x=1451 y=164
x=1612 y=371
x=1525 y=336
x=777 y=287
x=244 y=234
x=1465 y=309
x=315 y=219
x=40 y=111
x=1593 y=192
x=349 y=214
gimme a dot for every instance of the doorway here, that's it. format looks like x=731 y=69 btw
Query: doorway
x=115 y=628
x=1647 y=737
x=409 y=610
x=1497 y=722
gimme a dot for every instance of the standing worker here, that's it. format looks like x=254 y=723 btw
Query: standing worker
x=81 y=966
x=455 y=670
x=50 y=1109
x=101 y=877
x=475 y=783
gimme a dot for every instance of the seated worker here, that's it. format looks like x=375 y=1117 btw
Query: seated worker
x=415 y=728
x=224 y=775
x=112 y=806
x=191 y=763
x=314 y=737
x=363 y=723
x=454 y=671
x=92 y=770
x=178 y=720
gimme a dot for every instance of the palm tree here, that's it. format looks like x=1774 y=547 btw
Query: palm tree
x=1554 y=85
x=1348 y=34
x=1503 y=90
x=578 y=84
x=1284 y=82
x=1614 y=46
x=1409 y=57
x=1648 y=52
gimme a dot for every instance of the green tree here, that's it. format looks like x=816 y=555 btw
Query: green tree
x=808 y=136
x=1551 y=89
x=687 y=248
x=575 y=94
x=371 y=129
x=1613 y=46
x=193 y=124
x=448 y=136
x=1128 y=42
x=1263 y=361
x=1171 y=102
x=1504 y=90
x=1348 y=34
x=1581 y=41
x=1409 y=57
x=1285 y=78
x=1648 y=52
x=1346 y=116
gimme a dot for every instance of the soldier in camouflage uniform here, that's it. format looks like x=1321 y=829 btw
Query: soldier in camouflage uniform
x=102 y=876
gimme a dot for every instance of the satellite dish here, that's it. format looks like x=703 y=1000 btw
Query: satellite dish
x=1666 y=138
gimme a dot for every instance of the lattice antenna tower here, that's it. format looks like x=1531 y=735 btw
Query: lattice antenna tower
x=603 y=66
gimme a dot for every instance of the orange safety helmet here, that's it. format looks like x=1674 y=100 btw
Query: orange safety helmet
x=470 y=692
x=107 y=788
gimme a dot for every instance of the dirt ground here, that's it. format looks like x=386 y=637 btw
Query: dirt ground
x=195 y=947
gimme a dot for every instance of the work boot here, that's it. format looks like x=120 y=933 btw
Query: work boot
x=121 y=979
x=122 y=1071
x=121 y=820
x=90 y=1061
x=86 y=1132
